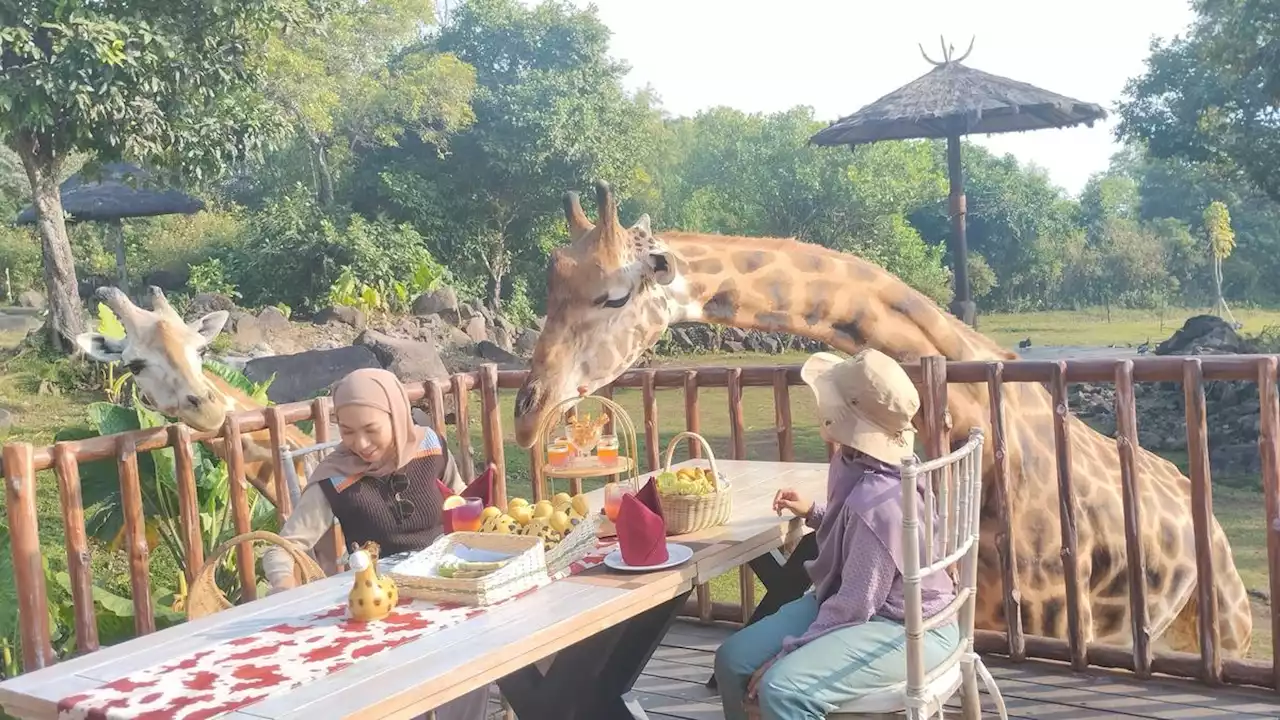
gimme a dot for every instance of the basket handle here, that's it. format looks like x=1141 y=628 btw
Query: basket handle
x=711 y=456
x=205 y=582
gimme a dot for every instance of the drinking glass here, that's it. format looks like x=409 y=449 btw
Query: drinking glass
x=558 y=452
x=607 y=449
x=613 y=494
x=467 y=517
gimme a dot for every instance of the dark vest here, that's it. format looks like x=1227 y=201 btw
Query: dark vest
x=365 y=507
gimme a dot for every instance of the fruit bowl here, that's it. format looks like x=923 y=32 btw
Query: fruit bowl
x=693 y=498
x=565 y=524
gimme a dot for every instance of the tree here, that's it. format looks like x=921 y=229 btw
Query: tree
x=1222 y=240
x=170 y=84
x=1212 y=96
x=551 y=115
x=366 y=79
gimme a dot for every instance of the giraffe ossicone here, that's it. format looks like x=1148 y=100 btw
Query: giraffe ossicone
x=613 y=291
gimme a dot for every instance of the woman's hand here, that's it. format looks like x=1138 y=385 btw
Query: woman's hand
x=281 y=584
x=754 y=683
x=789 y=499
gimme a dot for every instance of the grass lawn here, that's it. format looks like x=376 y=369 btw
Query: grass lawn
x=1237 y=500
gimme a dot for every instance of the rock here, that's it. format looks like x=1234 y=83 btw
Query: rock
x=246 y=330
x=442 y=301
x=205 y=303
x=6 y=419
x=502 y=337
x=1204 y=335
x=273 y=320
x=526 y=341
x=454 y=337
x=735 y=334
x=167 y=280
x=17 y=323
x=410 y=360
x=477 y=329
x=491 y=352
x=304 y=375
x=342 y=315
x=1235 y=460
x=540 y=323
x=31 y=299
x=734 y=346
x=466 y=311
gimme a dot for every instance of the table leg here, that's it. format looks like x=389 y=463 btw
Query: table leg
x=587 y=680
x=782 y=582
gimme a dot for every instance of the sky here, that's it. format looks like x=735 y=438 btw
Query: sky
x=839 y=55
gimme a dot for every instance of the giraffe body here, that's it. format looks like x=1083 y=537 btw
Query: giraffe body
x=613 y=291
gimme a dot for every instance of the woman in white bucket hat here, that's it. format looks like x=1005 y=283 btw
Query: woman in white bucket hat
x=844 y=638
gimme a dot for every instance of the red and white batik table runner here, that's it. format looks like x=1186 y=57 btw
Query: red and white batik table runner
x=240 y=672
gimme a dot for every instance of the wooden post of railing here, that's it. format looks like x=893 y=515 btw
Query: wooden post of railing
x=1127 y=447
x=1067 y=515
x=462 y=414
x=692 y=420
x=24 y=545
x=649 y=399
x=1201 y=517
x=240 y=507
x=1004 y=514
x=738 y=432
x=275 y=430
x=933 y=405
x=135 y=528
x=1269 y=450
x=782 y=415
x=320 y=409
x=78 y=557
x=192 y=538
x=495 y=454
x=434 y=394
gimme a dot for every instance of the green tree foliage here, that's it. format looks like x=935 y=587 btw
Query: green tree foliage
x=1212 y=96
x=1222 y=241
x=169 y=83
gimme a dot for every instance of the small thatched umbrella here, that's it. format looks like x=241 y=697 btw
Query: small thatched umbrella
x=949 y=101
x=120 y=191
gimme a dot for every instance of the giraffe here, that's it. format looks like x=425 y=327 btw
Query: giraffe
x=612 y=291
x=163 y=354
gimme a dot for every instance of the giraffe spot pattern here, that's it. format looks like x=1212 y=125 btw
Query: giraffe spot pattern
x=750 y=261
x=707 y=266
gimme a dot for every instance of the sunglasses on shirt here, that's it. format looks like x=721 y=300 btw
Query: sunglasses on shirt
x=401 y=507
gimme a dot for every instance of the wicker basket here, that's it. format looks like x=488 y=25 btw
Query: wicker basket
x=579 y=544
x=690 y=513
x=416 y=576
x=205 y=598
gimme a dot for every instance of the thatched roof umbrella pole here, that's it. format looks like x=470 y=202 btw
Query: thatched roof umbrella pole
x=118 y=193
x=949 y=101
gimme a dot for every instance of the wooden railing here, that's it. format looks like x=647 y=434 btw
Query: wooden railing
x=22 y=462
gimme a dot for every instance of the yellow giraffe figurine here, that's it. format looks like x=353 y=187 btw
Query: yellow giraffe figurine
x=373 y=596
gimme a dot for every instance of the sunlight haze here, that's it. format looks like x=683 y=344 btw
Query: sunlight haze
x=838 y=55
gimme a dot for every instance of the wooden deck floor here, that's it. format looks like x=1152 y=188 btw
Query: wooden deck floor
x=672 y=688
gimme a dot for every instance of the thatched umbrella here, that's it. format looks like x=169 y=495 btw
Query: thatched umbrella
x=120 y=191
x=949 y=101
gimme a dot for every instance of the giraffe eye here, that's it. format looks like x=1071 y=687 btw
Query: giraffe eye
x=136 y=366
x=610 y=303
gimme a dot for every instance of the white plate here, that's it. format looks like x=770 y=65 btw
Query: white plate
x=676 y=554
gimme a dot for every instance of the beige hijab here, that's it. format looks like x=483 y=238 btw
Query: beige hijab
x=382 y=390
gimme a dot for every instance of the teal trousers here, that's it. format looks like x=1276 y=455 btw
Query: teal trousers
x=816 y=678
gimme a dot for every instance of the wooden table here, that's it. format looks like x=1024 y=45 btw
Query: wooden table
x=602 y=626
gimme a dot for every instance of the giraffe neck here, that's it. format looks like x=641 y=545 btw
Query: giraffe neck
x=782 y=285
x=235 y=400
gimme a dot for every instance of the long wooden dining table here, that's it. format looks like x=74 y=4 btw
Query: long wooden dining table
x=599 y=626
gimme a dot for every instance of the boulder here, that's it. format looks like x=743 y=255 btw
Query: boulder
x=6 y=419
x=454 y=337
x=17 y=323
x=1204 y=335
x=205 y=303
x=477 y=329
x=410 y=360
x=246 y=330
x=31 y=299
x=304 y=375
x=491 y=352
x=273 y=320
x=341 y=315
x=526 y=341
x=442 y=301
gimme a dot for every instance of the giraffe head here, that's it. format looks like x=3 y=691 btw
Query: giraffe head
x=608 y=300
x=163 y=353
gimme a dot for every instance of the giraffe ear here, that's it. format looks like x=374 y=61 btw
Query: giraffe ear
x=662 y=265
x=100 y=347
x=210 y=325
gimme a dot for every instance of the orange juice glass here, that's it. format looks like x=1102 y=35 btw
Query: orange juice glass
x=468 y=518
x=613 y=494
x=558 y=453
x=607 y=450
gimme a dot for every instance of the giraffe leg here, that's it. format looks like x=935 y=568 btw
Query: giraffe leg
x=1235 y=613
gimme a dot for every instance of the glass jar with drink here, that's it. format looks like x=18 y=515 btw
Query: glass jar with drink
x=613 y=494
x=607 y=450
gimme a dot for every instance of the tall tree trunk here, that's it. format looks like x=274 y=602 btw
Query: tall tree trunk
x=324 y=190
x=122 y=271
x=66 y=318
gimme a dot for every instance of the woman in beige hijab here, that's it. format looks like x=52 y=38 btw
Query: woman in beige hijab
x=381 y=484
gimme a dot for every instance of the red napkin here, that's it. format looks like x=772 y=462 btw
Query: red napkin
x=649 y=496
x=482 y=487
x=642 y=535
x=445 y=490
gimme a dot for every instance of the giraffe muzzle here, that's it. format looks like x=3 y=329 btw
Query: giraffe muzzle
x=530 y=401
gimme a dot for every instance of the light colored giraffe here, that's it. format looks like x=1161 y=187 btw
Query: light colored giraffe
x=613 y=291
x=164 y=355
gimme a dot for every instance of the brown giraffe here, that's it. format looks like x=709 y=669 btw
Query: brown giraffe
x=163 y=353
x=613 y=290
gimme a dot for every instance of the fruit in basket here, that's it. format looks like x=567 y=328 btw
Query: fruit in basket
x=543 y=509
x=522 y=514
x=559 y=522
x=561 y=502
x=490 y=512
x=501 y=524
x=580 y=505
x=514 y=503
x=686 y=481
x=451 y=566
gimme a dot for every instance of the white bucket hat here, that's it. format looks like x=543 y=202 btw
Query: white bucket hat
x=866 y=402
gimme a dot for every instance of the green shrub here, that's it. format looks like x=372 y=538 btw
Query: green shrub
x=20 y=256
